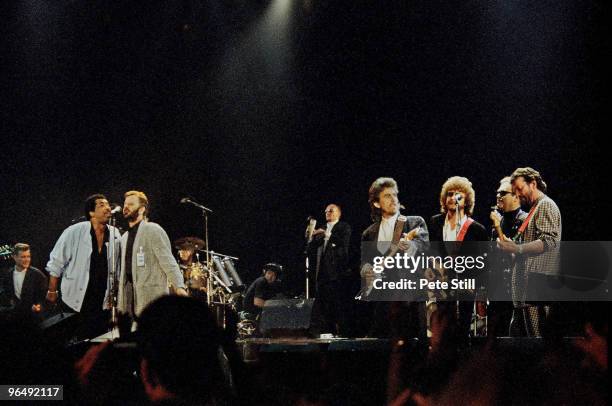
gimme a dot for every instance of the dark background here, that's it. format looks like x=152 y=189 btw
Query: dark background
x=265 y=111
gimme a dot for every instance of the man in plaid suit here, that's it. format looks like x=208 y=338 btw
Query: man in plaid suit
x=536 y=247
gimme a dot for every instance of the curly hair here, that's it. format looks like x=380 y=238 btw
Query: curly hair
x=461 y=184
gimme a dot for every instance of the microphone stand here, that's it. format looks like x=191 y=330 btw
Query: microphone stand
x=457 y=201
x=307 y=276
x=309 y=232
x=458 y=221
x=205 y=210
x=112 y=274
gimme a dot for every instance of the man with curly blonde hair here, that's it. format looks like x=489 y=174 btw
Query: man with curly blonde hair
x=455 y=224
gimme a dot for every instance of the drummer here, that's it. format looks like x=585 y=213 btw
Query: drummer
x=193 y=270
x=186 y=253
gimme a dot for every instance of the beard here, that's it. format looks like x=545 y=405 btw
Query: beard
x=131 y=216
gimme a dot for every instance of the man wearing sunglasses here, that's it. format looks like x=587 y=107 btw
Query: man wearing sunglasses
x=508 y=216
x=506 y=219
x=454 y=232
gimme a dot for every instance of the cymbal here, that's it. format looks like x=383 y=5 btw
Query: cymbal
x=189 y=242
x=218 y=254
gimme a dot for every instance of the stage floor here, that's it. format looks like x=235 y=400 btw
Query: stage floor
x=251 y=348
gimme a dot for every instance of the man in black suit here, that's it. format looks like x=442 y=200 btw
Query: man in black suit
x=22 y=287
x=390 y=232
x=329 y=248
x=455 y=225
x=507 y=219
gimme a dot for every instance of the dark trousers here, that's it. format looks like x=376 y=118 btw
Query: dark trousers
x=90 y=323
x=332 y=306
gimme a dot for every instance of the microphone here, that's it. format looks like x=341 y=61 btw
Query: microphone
x=116 y=209
x=458 y=197
x=185 y=200
x=312 y=223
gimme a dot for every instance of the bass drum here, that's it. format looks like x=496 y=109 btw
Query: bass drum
x=196 y=277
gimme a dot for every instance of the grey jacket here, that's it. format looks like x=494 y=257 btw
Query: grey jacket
x=160 y=269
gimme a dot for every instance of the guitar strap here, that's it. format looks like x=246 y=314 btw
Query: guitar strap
x=464 y=228
x=397 y=234
x=528 y=219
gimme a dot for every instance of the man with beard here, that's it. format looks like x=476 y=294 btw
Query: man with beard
x=82 y=258
x=147 y=264
x=536 y=247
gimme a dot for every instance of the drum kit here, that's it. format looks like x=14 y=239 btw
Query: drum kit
x=213 y=278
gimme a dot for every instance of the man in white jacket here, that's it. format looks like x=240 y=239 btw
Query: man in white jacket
x=82 y=258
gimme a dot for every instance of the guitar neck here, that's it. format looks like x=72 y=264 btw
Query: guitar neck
x=500 y=233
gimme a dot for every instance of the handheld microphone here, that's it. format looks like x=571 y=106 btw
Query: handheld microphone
x=116 y=209
x=312 y=223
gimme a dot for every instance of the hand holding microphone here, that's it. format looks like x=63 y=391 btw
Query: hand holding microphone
x=312 y=223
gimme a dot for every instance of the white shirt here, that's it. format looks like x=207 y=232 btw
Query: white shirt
x=451 y=234
x=328 y=231
x=18 y=277
x=385 y=233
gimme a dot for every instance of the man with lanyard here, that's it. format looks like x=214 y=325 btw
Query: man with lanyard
x=536 y=246
x=82 y=258
x=148 y=266
x=506 y=218
x=454 y=224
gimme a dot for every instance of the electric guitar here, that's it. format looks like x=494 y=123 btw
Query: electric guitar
x=6 y=251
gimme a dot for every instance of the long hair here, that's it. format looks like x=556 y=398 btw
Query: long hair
x=461 y=184
x=378 y=186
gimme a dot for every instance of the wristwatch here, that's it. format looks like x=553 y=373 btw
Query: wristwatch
x=520 y=250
